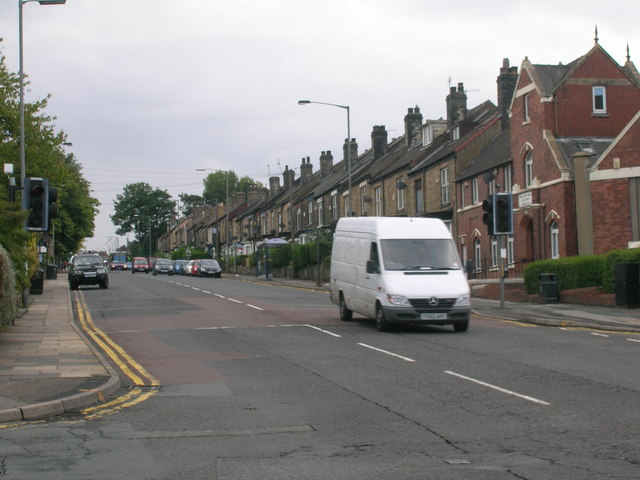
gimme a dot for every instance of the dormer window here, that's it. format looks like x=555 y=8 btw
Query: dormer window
x=427 y=135
x=599 y=96
x=455 y=133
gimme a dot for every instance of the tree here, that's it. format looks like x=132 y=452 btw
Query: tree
x=215 y=186
x=188 y=202
x=144 y=211
x=46 y=158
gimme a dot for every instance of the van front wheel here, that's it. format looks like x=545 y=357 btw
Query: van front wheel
x=381 y=323
x=345 y=313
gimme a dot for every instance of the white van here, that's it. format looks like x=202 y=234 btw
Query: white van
x=398 y=270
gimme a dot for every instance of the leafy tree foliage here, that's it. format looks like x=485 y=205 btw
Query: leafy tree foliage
x=215 y=186
x=45 y=157
x=188 y=202
x=145 y=211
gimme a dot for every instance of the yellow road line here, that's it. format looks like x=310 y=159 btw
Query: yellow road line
x=112 y=349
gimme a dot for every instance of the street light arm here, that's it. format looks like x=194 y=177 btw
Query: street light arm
x=307 y=102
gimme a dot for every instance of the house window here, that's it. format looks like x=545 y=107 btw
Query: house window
x=427 y=135
x=525 y=107
x=492 y=186
x=555 y=240
x=599 y=95
x=400 y=186
x=474 y=191
x=510 y=255
x=477 y=255
x=528 y=170
x=334 y=206
x=494 y=251
x=419 y=197
x=444 y=186
x=363 y=202
x=320 y=213
x=379 y=212
x=507 y=178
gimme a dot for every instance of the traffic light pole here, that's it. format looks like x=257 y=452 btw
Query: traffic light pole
x=501 y=269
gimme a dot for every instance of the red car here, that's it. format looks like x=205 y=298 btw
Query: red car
x=140 y=264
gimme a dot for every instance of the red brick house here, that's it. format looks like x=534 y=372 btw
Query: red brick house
x=568 y=125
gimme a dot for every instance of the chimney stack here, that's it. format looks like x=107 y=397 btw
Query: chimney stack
x=274 y=185
x=379 y=141
x=456 y=105
x=354 y=149
x=506 y=85
x=288 y=176
x=306 y=170
x=326 y=163
x=413 y=126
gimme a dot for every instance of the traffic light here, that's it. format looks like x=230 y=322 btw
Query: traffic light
x=487 y=216
x=35 y=200
x=503 y=214
x=52 y=206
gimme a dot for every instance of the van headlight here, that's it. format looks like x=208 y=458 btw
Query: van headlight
x=398 y=300
x=463 y=300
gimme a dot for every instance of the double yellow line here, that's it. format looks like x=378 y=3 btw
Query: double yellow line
x=138 y=375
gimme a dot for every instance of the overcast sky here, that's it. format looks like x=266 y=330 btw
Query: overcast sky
x=151 y=90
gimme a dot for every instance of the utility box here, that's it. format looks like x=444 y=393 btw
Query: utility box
x=548 y=287
x=628 y=285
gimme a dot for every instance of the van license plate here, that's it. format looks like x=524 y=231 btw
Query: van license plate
x=433 y=316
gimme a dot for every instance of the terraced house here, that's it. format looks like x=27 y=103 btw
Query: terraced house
x=563 y=139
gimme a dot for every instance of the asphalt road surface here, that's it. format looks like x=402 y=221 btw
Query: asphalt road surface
x=225 y=379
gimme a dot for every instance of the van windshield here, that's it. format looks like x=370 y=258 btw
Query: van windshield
x=419 y=254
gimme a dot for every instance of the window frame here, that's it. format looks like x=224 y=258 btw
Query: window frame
x=528 y=170
x=445 y=198
x=599 y=92
x=554 y=234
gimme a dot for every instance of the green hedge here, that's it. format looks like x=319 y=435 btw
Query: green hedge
x=7 y=289
x=582 y=271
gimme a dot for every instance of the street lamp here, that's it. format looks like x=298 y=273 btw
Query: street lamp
x=226 y=209
x=345 y=107
x=21 y=60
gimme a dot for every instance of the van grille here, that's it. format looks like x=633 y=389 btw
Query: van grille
x=424 y=305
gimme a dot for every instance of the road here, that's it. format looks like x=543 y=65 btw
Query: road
x=225 y=379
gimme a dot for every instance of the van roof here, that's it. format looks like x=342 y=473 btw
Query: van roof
x=395 y=227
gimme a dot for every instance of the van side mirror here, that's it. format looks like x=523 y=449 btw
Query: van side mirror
x=372 y=266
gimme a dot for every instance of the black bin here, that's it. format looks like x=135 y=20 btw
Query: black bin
x=548 y=284
x=37 y=282
x=628 y=285
x=52 y=272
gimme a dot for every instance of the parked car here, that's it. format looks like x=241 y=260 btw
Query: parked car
x=162 y=265
x=140 y=264
x=188 y=268
x=178 y=266
x=87 y=269
x=208 y=268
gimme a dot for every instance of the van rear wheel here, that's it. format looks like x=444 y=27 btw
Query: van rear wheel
x=345 y=313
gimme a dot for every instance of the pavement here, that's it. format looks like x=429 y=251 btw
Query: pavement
x=49 y=367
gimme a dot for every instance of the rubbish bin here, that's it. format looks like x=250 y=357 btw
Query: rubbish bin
x=628 y=285
x=37 y=282
x=548 y=284
x=52 y=272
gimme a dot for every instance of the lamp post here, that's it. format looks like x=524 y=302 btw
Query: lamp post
x=226 y=210
x=345 y=107
x=21 y=60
